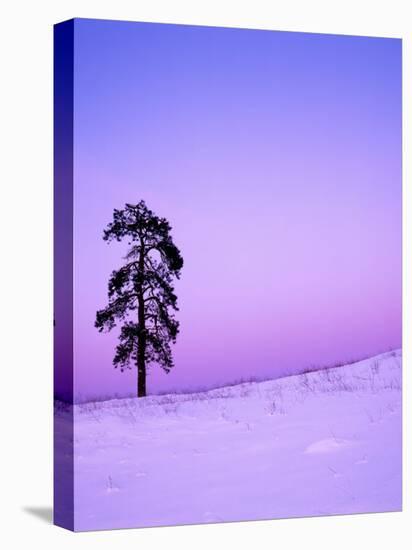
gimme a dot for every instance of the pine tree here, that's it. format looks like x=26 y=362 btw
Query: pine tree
x=140 y=294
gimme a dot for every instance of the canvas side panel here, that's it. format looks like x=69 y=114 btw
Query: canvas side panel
x=63 y=275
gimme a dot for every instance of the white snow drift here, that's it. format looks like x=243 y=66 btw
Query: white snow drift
x=324 y=442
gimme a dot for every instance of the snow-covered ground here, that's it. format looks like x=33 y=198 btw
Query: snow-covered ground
x=324 y=442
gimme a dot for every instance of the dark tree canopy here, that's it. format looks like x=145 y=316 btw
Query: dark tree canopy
x=141 y=296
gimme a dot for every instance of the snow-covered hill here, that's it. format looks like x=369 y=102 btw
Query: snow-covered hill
x=324 y=442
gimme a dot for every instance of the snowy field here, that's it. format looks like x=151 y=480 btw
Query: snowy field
x=323 y=442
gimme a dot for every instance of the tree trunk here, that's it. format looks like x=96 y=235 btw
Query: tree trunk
x=141 y=342
x=141 y=378
x=141 y=352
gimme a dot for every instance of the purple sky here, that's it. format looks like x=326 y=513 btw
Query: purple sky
x=277 y=159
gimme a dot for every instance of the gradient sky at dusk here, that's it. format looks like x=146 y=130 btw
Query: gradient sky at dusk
x=276 y=157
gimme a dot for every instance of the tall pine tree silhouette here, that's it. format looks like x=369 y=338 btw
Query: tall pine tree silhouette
x=141 y=296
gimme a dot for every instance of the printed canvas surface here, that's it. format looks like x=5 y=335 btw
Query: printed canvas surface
x=227 y=274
